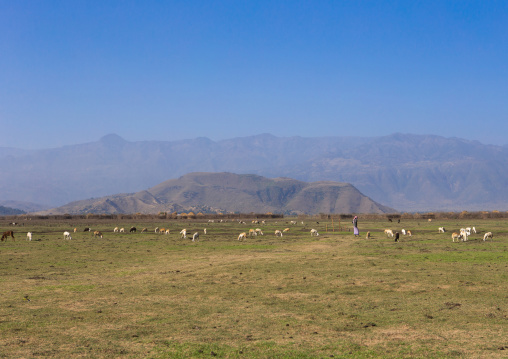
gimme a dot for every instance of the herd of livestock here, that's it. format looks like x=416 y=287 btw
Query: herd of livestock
x=462 y=235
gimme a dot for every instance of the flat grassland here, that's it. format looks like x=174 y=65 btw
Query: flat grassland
x=148 y=295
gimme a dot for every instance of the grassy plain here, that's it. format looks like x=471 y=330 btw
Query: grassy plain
x=146 y=295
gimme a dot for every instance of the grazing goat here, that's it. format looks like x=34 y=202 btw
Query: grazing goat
x=286 y=230
x=195 y=237
x=115 y=230
x=441 y=229
x=183 y=233
x=133 y=229
x=252 y=232
x=488 y=235
x=87 y=229
x=97 y=234
x=456 y=236
x=278 y=233
x=242 y=236
x=403 y=231
x=259 y=231
x=408 y=232
x=314 y=232
x=122 y=230
x=29 y=236
x=204 y=231
x=75 y=230
x=368 y=235
x=144 y=230
x=389 y=233
x=7 y=234
x=66 y=235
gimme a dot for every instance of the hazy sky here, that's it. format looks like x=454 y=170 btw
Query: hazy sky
x=74 y=71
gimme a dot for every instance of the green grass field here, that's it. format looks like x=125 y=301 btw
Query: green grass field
x=148 y=295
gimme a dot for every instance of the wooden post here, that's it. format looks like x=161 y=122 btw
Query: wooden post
x=333 y=227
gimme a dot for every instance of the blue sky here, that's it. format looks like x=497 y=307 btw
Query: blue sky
x=74 y=71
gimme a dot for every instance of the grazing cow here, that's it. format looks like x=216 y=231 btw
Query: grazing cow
x=66 y=235
x=488 y=235
x=183 y=233
x=441 y=229
x=7 y=234
x=389 y=233
x=242 y=236
x=97 y=234
x=278 y=233
x=195 y=237
x=133 y=229
x=314 y=232
x=29 y=236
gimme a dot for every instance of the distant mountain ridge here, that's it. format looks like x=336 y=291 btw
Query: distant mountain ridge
x=403 y=171
x=232 y=193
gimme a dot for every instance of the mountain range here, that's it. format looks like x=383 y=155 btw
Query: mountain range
x=402 y=171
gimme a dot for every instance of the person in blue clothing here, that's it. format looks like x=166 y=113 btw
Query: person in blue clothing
x=355 y=225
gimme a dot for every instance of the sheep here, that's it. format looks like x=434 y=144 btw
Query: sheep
x=29 y=236
x=441 y=229
x=488 y=235
x=243 y=236
x=183 y=233
x=195 y=236
x=314 y=232
x=278 y=233
x=259 y=231
x=389 y=233
x=66 y=235
x=97 y=234
x=115 y=230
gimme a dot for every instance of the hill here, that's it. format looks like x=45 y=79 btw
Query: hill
x=232 y=193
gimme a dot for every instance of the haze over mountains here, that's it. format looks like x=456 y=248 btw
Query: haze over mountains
x=401 y=171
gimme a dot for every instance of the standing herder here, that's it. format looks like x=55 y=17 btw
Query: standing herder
x=355 y=225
